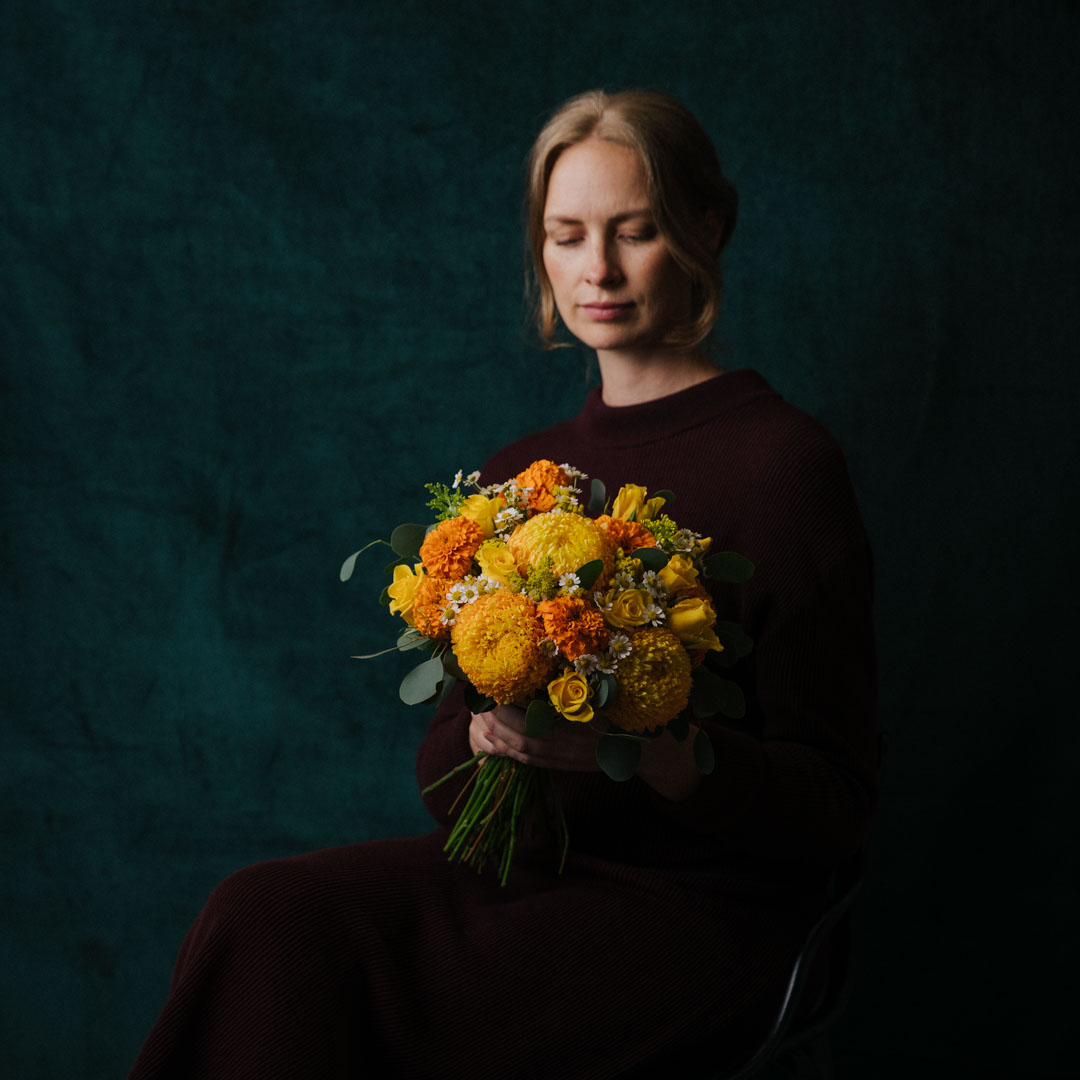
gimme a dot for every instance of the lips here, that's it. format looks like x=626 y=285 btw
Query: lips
x=604 y=311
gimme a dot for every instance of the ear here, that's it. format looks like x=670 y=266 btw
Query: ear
x=714 y=231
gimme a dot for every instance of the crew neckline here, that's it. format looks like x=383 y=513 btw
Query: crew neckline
x=646 y=421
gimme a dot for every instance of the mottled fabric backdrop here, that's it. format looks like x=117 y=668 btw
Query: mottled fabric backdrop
x=260 y=278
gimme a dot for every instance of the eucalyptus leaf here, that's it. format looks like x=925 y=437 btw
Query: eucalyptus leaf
x=413 y=639
x=539 y=716
x=451 y=665
x=606 y=688
x=597 y=497
x=729 y=566
x=476 y=701
x=384 y=596
x=588 y=573
x=618 y=756
x=389 y=567
x=679 y=727
x=704 y=756
x=406 y=540
x=667 y=496
x=712 y=694
x=422 y=682
x=349 y=565
x=733 y=637
x=652 y=558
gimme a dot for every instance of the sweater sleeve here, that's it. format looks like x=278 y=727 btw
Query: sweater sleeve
x=797 y=780
x=445 y=747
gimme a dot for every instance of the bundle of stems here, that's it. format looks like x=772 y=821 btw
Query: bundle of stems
x=501 y=792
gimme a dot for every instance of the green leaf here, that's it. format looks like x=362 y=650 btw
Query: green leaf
x=422 y=682
x=406 y=540
x=679 y=727
x=729 y=566
x=476 y=701
x=704 y=756
x=384 y=596
x=652 y=558
x=588 y=573
x=606 y=688
x=712 y=694
x=597 y=497
x=451 y=666
x=389 y=567
x=734 y=638
x=349 y=565
x=667 y=496
x=413 y=639
x=618 y=756
x=539 y=716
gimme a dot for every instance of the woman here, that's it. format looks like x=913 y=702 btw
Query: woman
x=684 y=896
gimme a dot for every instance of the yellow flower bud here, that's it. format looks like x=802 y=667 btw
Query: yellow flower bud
x=569 y=693
x=691 y=621
x=403 y=590
x=679 y=573
x=482 y=510
x=627 y=608
x=632 y=499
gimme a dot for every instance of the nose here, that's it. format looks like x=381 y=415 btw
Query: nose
x=603 y=266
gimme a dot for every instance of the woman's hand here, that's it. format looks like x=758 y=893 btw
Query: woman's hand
x=565 y=745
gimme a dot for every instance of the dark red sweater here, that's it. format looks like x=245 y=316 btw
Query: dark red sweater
x=672 y=924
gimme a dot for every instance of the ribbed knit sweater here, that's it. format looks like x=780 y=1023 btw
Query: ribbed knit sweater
x=674 y=923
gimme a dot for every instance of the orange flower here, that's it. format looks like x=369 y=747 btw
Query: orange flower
x=574 y=625
x=629 y=535
x=449 y=549
x=428 y=606
x=543 y=477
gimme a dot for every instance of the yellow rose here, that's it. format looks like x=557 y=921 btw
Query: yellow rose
x=691 y=621
x=403 y=590
x=482 y=510
x=632 y=499
x=569 y=693
x=497 y=562
x=627 y=608
x=678 y=574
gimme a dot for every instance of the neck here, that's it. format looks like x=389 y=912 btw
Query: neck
x=631 y=378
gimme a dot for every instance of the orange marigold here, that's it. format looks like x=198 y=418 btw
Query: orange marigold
x=497 y=642
x=448 y=550
x=629 y=535
x=543 y=477
x=428 y=606
x=574 y=625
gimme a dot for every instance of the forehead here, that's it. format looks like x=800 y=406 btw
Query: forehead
x=596 y=179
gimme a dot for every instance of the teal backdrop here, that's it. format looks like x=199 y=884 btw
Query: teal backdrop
x=260 y=279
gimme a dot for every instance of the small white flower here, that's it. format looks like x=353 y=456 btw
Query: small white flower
x=570 y=582
x=549 y=646
x=457 y=479
x=607 y=665
x=586 y=664
x=654 y=614
x=473 y=477
x=619 y=646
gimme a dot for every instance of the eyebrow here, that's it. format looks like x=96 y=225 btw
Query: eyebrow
x=558 y=219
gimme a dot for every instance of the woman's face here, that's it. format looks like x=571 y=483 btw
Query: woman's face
x=615 y=282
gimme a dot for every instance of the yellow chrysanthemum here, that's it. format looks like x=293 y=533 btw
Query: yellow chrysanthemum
x=654 y=681
x=497 y=643
x=569 y=540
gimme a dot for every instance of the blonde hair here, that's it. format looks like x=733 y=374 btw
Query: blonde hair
x=686 y=187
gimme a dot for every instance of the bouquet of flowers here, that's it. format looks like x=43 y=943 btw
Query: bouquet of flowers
x=521 y=594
